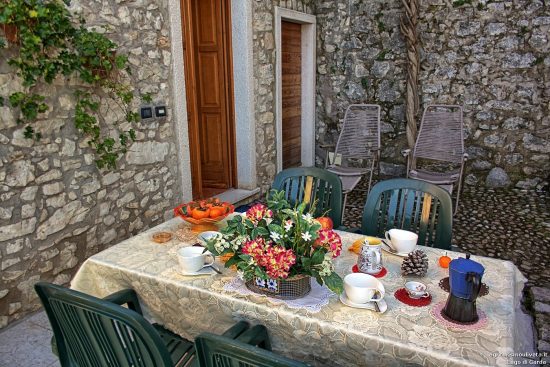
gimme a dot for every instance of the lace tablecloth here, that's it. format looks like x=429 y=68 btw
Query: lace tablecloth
x=336 y=335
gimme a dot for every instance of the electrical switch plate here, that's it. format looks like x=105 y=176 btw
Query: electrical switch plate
x=160 y=111
x=146 y=113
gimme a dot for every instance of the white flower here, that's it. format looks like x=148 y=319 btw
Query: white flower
x=307 y=217
x=327 y=267
x=268 y=220
x=306 y=236
x=275 y=236
x=288 y=225
x=240 y=274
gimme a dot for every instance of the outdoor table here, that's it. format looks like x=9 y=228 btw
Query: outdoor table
x=337 y=335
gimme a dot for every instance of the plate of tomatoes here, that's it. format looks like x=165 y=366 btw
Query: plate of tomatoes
x=204 y=212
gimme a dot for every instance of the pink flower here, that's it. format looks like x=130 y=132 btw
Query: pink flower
x=278 y=262
x=254 y=248
x=275 y=260
x=258 y=212
x=330 y=240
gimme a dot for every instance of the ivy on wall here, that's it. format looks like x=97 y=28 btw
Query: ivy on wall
x=50 y=42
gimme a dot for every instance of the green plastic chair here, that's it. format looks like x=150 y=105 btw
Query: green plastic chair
x=250 y=349
x=89 y=331
x=307 y=184
x=413 y=205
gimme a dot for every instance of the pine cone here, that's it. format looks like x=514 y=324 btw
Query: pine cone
x=416 y=263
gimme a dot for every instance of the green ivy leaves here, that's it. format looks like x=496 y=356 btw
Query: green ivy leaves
x=48 y=45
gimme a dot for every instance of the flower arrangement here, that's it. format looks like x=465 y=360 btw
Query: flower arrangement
x=279 y=241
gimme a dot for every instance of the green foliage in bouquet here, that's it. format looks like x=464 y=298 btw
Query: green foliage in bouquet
x=280 y=241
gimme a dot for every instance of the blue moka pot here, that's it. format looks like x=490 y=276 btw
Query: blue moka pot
x=465 y=284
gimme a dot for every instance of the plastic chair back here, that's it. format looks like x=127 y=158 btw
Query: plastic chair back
x=218 y=351
x=309 y=184
x=93 y=332
x=413 y=205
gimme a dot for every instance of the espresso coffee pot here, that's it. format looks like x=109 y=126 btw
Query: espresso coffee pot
x=465 y=283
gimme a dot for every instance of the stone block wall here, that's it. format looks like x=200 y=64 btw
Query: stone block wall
x=492 y=57
x=56 y=207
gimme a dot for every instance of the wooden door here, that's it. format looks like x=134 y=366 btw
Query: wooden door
x=291 y=85
x=209 y=95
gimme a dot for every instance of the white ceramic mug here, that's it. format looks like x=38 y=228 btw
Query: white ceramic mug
x=193 y=259
x=401 y=241
x=417 y=290
x=361 y=288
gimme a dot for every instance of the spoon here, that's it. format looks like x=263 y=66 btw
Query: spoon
x=378 y=296
x=215 y=269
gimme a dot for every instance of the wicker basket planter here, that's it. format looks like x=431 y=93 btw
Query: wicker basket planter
x=292 y=288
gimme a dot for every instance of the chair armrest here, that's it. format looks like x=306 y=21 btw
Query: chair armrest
x=256 y=335
x=125 y=296
x=236 y=330
x=326 y=145
x=406 y=152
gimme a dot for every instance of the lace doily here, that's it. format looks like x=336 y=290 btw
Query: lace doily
x=437 y=313
x=312 y=302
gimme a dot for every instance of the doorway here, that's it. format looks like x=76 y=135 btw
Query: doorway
x=295 y=88
x=291 y=93
x=209 y=91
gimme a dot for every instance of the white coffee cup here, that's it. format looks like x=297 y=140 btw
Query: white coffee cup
x=417 y=290
x=401 y=241
x=362 y=288
x=193 y=259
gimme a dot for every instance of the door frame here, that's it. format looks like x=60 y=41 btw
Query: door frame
x=190 y=82
x=308 y=23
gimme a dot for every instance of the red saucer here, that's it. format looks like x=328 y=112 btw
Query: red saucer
x=402 y=295
x=383 y=272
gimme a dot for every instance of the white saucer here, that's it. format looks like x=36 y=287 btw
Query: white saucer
x=367 y=306
x=389 y=250
x=204 y=271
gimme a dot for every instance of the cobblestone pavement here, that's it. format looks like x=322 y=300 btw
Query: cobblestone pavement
x=506 y=224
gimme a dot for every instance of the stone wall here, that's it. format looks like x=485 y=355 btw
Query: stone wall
x=264 y=83
x=492 y=57
x=56 y=207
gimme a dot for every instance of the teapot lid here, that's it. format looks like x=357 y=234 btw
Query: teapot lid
x=465 y=265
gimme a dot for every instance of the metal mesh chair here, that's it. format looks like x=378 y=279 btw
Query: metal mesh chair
x=440 y=139
x=358 y=147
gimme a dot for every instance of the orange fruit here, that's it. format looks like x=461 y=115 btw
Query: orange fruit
x=444 y=261
x=200 y=213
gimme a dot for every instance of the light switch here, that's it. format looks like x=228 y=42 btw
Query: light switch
x=146 y=112
x=160 y=111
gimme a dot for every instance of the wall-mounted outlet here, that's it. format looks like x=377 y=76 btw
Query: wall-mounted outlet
x=146 y=112
x=160 y=111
